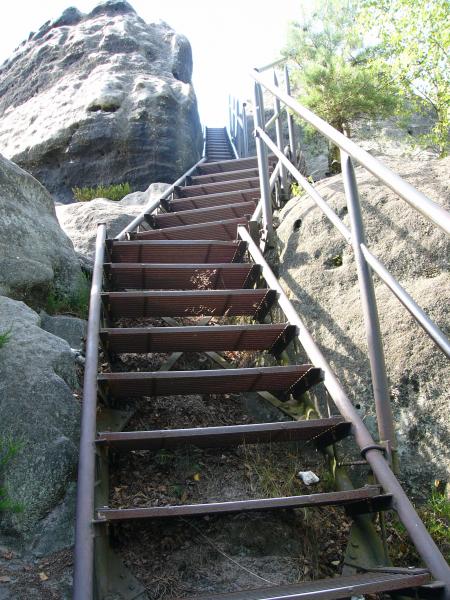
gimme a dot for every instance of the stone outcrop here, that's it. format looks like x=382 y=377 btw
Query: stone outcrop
x=38 y=412
x=79 y=220
x=36 y=257
x=317 y=268
x=100 y=98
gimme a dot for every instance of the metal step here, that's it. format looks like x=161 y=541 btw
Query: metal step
x=179 y=276
x=211 y=200
x=293 y=380
x=215 y=230
x=231 y=165
x=217 y=187
x=201 y=215
x=181 y=251
x=328 y=430
x=227 y=176
x=232 y=303
x=369 y=495
x=333 y=588
x=198 y=338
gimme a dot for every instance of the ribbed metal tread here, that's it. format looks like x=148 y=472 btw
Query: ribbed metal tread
x=219 y=303
x=227 y=176
x=198 y=338
x=180 y=276
x=231 y=165
x=211 y=200
x=293 y=380
x=333 y=588
x=201 y=215
x=345 y=498
x=215 y=230
x=181 y=251
x=217 y=187
x=327 y=430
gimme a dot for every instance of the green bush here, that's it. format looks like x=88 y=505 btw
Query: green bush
x=76 y=304
x=112 y=192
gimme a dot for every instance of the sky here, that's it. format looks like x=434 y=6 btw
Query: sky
x=228 y=38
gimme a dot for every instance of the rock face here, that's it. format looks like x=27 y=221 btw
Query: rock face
x=100 y=98
x=38 y=411
x=35 y=254
x=71 y=329
x=317 y=268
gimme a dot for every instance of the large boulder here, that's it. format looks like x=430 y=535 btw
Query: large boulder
x=100 y=98
x=36 y=257
x=80 y=220
x=39 y=413
x=317 y=268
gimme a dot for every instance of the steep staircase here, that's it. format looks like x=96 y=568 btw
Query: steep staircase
x=190 y=262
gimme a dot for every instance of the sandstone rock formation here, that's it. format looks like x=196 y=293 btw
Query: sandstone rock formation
x=35 y=254
x=79 y=220
x=38 y=410
x=317 y=268
x=100 y=98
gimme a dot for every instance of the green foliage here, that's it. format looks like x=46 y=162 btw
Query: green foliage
x=5 y=337
x=8 y=449
x=112 y=192
x=413 y=42
x=76 y=304
x=332 y=76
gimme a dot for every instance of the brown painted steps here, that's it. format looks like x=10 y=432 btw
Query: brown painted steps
x=201 y=215
x=335 y=588
x=366 y=499
x=217 y=187
x=273 y=338
x=328 y=431
x=179 y=276
x=231 y=165
x=217 y=303
x=214 y=230
x=211 y=200
x=217 y=177
x=171 y=251
x=292 y=380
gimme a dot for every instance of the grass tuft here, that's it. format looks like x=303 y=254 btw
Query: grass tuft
x=5 y=337
x=8 y=449
x=76 y=304
x=112 y=192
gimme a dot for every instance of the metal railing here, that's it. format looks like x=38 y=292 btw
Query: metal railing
x=238 y=125
x=83 y=580
x=366 y=263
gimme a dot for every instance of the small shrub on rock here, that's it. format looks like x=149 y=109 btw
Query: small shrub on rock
x=4 y=338
x=112 y=192
x=77 y=304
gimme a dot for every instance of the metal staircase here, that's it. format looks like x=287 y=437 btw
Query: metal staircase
x=191 y=254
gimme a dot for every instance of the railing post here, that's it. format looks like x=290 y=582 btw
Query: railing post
x=263 y=165
x=238 y=129
x=279 y=134
x=369 y=308
x=83 y=580
x=244 y=130
x=290 y=120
